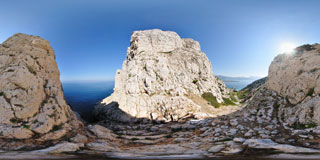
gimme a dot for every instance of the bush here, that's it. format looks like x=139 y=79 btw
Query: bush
x=228 y=102
x=211 y=99
x=26 y=126
x=194 y=81
x=304 y=126
x=300 y=72
x=310 y=92
x=242 y=94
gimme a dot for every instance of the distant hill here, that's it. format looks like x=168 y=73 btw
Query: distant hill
x=236 y=79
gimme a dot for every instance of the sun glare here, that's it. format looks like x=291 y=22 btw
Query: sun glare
x=287 y=48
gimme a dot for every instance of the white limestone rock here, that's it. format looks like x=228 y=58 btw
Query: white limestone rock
x=158 y=77
x=31 y=96
x=296 y=78
x=59 y=148
x=296 y=75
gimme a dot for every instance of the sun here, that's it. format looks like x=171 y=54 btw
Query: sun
x=287 y=47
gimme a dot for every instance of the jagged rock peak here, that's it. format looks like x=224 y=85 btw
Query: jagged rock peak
x=163 y=77
x=32 y=102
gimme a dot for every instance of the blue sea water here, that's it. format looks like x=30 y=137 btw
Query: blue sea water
x=239 y=84
x=82 y=96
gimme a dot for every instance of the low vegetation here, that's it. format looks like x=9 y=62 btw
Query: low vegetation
x=228 y=102
x=194 y=81
x=304 y=126
x=242 y=94
x=212 y=100
x=310 y=92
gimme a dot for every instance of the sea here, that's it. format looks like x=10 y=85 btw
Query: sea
x=239 y=84
x=83 y=96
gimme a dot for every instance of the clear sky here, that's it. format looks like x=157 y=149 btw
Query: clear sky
x=90 y=38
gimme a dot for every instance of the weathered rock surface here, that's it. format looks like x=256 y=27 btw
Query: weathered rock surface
x=296 y=75
x=159 y=77
x=31 y=98
x=59 y=148
x=269 y=144
x=296 y=78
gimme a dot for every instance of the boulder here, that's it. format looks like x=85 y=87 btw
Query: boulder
x=59 y=148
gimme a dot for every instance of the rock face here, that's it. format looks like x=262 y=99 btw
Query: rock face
x=296 y=75
x=158 y=77
x=296 y=78
x=31 y=98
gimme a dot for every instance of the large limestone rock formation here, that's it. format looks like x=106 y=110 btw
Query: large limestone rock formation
x=296 y=75
x=32 y=103
x=161 y=78
x=296 y=78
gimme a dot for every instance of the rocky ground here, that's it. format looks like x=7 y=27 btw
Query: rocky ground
x=247 y=132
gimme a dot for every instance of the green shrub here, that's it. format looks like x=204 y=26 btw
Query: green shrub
x=242 y=94
x=56 y=127
x=15 y=120
x=26 y=126
x=304 y=126
x=314 y=70
x=166 y=52
x=134 y=139
x=310 y=92
x=211 y=99
x=228 y=102
x=300 y=72
x=194 y=81
x=1 y=93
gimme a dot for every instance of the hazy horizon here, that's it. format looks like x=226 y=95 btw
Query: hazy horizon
x=90 y=38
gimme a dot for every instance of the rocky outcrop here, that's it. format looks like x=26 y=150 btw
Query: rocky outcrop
x=32 y=103
x=159 y=77
x=297 y=75
x=296 y=78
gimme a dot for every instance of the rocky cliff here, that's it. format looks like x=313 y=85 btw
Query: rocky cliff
x=32 y=104
x=163 y=78
x=296 y=78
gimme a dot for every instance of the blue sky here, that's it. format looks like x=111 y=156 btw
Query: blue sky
x=90 y=38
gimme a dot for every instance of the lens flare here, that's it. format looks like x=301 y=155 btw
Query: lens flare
x=287 y=47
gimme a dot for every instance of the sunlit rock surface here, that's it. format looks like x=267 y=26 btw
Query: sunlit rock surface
x=159 y=77
x=32 y=103
x=296 y=78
